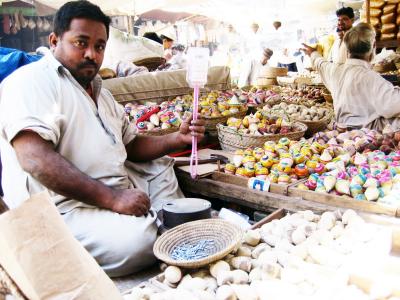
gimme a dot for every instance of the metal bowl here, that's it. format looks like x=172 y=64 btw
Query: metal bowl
x=179 y=211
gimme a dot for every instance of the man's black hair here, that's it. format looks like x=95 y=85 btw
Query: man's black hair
x=153 y=36
x=345 y=11
x=166 y=38
x=81 y=9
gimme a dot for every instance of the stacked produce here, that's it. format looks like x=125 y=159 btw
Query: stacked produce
x=300 y=112
x=301 y=256
x=154 y=117
x=307 y=96
x=261 y=123
x=306 y=77
x=369 y=167
x=360 y=140
x=169 y=114
x=218 y=104
x=282 y=162
x=385 y=17
x=256 y=96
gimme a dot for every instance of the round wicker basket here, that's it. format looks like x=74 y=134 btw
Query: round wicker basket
x=231 y=140
x=316 y=126
x=151 y=63
x=273 y=72
x=226 y=235
x=211 y=122
x=159 y=132
x=328 y=97
x=266 y=82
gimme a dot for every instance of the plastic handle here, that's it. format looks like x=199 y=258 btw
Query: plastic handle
x=193 y=157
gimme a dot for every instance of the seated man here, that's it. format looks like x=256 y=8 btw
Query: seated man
x=61 y=132
x=361 y=97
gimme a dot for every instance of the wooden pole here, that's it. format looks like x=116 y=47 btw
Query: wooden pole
x=367 y=8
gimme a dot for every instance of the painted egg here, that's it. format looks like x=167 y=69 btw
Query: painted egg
x=230 y=168
x=266 y=161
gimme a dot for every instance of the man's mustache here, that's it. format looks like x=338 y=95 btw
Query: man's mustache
x=87 y=64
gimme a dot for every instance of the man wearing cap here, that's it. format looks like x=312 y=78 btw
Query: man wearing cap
x=252 y=70
x=168 y=37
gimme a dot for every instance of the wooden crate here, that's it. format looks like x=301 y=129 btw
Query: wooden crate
x=364 y=280
x=280 y=189
x=345 y=202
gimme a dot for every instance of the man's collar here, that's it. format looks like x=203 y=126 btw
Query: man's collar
x=54 y=63
x=358 y=62
x=97 y=81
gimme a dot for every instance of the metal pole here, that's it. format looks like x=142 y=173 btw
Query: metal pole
x=367 y=8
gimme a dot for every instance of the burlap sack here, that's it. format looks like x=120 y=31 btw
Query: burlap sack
x=387 y=19
x=388 y=36
x=389 y=8
x=388 y=28
x=163 y=85
x=45 y=261
x=377 y=3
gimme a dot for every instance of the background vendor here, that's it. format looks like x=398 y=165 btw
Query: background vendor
x=252 y=69
x=345 y=20
x=361 y=97
x=168 y=37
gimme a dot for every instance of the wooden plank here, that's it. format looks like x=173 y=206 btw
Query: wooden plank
x=281 y=189
x=368 y=11
x=278 y=214
x=263 y=201
x=388 y=44
x=344 y=202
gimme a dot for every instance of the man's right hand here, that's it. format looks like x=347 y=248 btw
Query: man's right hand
x=130 y=202
x=308 y=50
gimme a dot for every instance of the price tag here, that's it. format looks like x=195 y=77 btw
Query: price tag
x=197 y=66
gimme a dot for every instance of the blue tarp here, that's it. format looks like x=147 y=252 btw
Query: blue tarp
x=12 y=59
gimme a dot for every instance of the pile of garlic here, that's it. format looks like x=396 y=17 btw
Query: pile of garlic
x=297 y=257
x=300 y=112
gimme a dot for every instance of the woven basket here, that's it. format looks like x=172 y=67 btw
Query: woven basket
x=159 y=132
x=226 y=235
x=211 y=122
x=383 y=68
x=230 y=140
x=316 y=126
x=266 y=82
x=151 y=63
x=328 y=97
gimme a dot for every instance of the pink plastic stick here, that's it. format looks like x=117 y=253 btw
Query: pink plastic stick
x=193 y=157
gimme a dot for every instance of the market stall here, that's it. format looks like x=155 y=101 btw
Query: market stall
x=292 y=205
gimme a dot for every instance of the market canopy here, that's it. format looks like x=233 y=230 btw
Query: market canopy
x=230 y=11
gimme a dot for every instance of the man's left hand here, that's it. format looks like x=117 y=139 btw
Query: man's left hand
x=191 y=128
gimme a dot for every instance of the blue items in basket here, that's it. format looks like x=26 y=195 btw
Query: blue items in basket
x=201 y=249
x=12 y=59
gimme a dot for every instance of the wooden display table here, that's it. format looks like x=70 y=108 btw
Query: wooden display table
x=234 y=190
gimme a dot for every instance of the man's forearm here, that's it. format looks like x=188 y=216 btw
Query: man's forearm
x=38 y=158
x=146 y=148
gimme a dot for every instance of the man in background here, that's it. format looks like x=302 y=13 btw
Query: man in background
x=253 y=69
x=168 y=37
x=345 y=22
